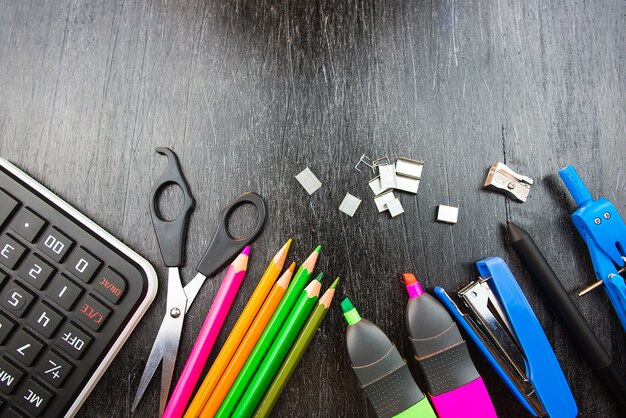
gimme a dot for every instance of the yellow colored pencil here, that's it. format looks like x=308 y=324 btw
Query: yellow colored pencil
x=238 y=332
x=248 y=343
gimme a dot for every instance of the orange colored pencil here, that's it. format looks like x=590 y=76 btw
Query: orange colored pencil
x=248 y=343
x=238 y=332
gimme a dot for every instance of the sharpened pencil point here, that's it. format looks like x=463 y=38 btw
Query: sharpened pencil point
x=246 y=250
x=318 y=249
x=320 y=277
x=292 y=267
x=335 y=283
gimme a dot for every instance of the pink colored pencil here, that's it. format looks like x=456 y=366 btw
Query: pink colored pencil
x=206 y=338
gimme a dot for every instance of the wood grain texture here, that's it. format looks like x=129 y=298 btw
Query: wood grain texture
x=248 y=93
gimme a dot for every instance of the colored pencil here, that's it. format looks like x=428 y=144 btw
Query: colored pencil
x=295 y=353
x=238 y=331
x=275 y=356
x=246 y=346
x=207 y=336
x=246 y=374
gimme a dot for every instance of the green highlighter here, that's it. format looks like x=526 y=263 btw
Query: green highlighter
x=382 y=372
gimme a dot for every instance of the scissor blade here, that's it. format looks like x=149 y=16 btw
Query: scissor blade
x=192 y=288
x=165 y=348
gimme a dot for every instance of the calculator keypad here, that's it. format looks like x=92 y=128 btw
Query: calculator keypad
x=65 y=295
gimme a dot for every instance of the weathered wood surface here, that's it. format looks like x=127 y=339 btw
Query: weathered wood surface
x=249 y=93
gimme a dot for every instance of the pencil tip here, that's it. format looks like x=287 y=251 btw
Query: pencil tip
x=335 y=283
x=292 y=267
x=246 y=250
x=320 y=277
x=318 y=249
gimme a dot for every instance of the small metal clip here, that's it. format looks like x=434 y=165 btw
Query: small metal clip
x=381 y=161
x=364 y=160
x=502 y=178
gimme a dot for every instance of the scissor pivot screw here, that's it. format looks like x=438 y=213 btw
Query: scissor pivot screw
x=607 y=215
x=175 y=312
x=597 y=221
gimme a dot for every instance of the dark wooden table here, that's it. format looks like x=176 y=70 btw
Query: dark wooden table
x=249 y=93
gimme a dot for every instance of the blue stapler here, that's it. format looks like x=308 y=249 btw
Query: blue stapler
x=498 y=319
x=604 y=232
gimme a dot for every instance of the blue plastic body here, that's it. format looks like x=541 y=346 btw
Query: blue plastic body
x=604 y=232
x=449 y=304
x=542 y=367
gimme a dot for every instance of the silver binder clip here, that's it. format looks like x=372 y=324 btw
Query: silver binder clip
x=502 y=178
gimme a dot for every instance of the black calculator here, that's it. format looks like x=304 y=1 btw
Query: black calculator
x=70 y=295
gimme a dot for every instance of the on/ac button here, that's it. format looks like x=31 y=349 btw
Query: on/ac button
x=111 y=285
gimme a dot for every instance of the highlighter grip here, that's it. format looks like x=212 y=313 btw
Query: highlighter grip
x=389 y=385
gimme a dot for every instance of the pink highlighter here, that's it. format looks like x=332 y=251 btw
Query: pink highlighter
x=455 y=388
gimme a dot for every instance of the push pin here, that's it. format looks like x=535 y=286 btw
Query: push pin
x=502 y=178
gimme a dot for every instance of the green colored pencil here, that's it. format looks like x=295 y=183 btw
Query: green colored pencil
x=246 y=374
x=278 y=351
x=295 y=354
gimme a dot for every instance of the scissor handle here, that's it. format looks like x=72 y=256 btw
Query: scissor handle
x=171 y=234
x=224 y=247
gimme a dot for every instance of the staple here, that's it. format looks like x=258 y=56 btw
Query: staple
x=381 y=161
x=409 y=168
x=376 y=186
x=447 y=214
x=364 y=160
x=387 y=176
x=407 y=184
x=308 y=180
x=350 y=204
x=395 y=208
x=382 y=200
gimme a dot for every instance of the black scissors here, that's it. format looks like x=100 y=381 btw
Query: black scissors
x=171 y=238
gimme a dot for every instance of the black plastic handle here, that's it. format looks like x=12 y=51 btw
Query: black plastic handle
x=171 y=234
x=224 y=247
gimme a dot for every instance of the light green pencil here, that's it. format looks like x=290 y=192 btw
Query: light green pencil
x=272 y=329
x=295 y=354
x=275 y=356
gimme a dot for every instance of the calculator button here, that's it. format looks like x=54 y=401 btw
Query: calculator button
x=7 y=206
x=6 y=326
x=64 y=292
x=10 y=376
x=24 y=347
x=93 y=313
x=73 y=341
x=111 y=285
x=83 y=265
x=13 y=413
x=3 y=277
x=44 y=320
x=34 y=397
x=27 y=224
x=35 y=271
x=16 y=299
x=11 y=251
x=54 y=369
x=55 y=244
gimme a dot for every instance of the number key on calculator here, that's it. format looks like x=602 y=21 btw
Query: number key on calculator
x=70 y=295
